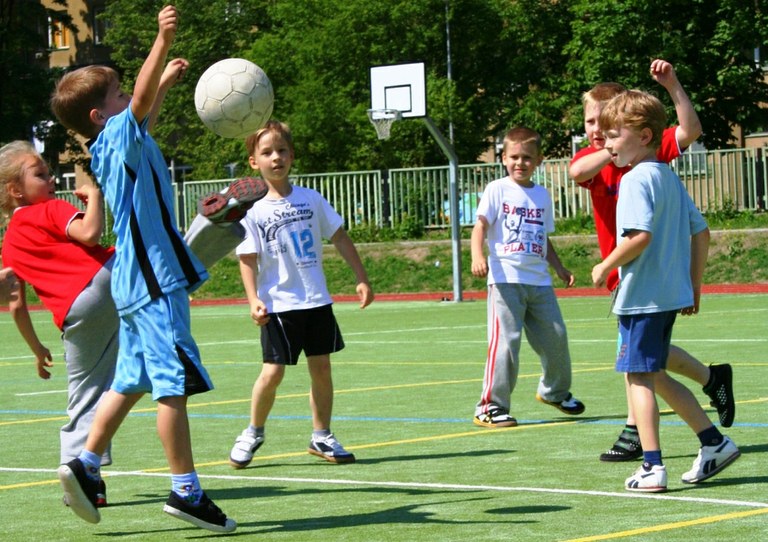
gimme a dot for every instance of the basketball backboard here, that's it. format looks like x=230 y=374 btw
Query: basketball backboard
x=401 y=87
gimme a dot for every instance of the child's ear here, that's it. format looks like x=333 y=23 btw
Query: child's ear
x=252 y=162
x=96 y=117
x=646 y=135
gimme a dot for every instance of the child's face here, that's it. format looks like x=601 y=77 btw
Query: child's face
x=595 y=135
x=626 y=145
x=521 y=161
x=36 y=184
x=115 y=103
x=273 y=157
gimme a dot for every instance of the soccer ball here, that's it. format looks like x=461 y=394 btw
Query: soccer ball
x=234 y=97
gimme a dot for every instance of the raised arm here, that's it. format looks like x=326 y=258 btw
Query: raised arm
x=689 y=128
x=88 y=229
x=148 y=80
x=173 y=73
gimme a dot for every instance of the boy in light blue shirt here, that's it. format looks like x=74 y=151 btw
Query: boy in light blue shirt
x=153 y=273
x=661 y=257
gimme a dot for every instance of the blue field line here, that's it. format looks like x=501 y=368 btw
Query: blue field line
x=468 y=419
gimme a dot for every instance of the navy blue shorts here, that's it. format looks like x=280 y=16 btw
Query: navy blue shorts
x=288 y=334
x=644 y=342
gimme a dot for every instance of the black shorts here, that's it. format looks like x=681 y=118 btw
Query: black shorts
x=287 y=334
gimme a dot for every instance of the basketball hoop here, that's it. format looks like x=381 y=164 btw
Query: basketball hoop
x=382 y=120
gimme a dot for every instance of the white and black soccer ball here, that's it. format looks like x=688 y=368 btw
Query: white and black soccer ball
x=234 y=97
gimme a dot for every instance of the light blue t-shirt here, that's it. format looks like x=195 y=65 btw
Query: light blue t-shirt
x=151 y=257
x=653 y=199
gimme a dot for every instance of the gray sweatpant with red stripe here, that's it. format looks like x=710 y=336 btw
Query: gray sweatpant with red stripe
x=513 y=308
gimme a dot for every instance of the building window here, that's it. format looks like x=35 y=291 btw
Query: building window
x=99 y=24
x=58 y=36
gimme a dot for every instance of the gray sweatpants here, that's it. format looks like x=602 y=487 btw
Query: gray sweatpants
x=513 y=308
x=90 y=334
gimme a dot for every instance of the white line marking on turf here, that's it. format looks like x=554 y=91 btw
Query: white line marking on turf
x=39 y=393
x=427 y=485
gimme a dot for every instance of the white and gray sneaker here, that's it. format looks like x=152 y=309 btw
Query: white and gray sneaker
x=330 y=449
x=648 y=478
x=245 y=446
x=711 y=460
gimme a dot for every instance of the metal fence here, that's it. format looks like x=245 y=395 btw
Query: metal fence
x=721 y=179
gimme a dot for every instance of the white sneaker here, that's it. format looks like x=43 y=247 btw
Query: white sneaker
x=330 y=449
x=711 y=460
x=648 y=478
x=245 y=446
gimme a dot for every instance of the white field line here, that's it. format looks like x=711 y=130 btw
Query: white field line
x=428 y=485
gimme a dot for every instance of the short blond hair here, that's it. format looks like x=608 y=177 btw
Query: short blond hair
x=79 y=92
x=522 y=135
x=637 y=110
x=602 y=93
x=273 y=127
x=11 y=170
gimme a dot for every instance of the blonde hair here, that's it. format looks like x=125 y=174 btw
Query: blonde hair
x=522 y=135
x=273 y=127
x=12 y=169
x=637 y=110
x=80 y=91
x=602 y=93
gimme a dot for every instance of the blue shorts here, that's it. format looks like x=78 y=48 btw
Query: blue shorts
x=287 y=334
x=157 y=352
x=644 y=342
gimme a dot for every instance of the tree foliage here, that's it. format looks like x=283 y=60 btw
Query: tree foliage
x=26 y=80
x=512 y=62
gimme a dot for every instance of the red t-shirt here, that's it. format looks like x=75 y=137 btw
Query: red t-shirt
x=604 y=190
x=37 y=247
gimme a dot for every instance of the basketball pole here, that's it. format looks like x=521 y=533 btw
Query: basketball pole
x=453 y=204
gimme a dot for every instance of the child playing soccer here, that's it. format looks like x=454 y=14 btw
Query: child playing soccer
x=76 y=286
x=153 y=272
x=281 y=263
x=517 y=216
x=661 y=259
x=592 y=168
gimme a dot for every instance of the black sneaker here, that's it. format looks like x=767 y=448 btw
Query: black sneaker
x=626 y=448
x=569 y=405
x=231 y=204
x=101 y=496
x=495 y=417
x=80 y=492
x=205 y=514
x=720 y=391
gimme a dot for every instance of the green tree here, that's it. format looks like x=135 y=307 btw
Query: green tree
x=513 y=62
x=26 y=81
x=710 y=43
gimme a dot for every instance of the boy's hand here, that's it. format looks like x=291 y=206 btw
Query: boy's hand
x=599 y=275
x=663 y=73
x=174 y=72
x=365 y=293
x=566 y=276
x=693 y=309
x=43 y=360
x=479 y=267
x=167 y=22
x=259 y=313
x=87 y=192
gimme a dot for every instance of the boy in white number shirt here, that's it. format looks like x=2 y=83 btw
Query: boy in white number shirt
x=282 y=270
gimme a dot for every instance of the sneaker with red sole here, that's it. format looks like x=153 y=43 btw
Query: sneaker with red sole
x=231 y=204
